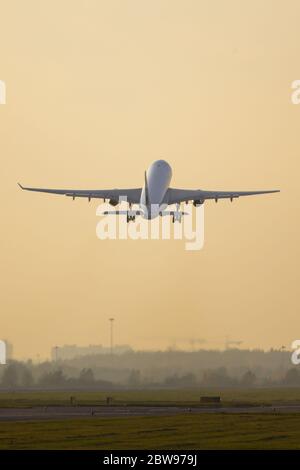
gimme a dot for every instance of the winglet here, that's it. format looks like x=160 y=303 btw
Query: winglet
x=22 y=187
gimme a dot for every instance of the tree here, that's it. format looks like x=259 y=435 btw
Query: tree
x=10 y=376
x=27 y=378
x=292 y=377
x=86 y=376
x=53 y=379
x=187 y=380
x=217 y=378
x=248 y=379
x=134 y=379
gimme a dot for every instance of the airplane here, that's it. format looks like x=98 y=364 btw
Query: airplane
x=154 y=197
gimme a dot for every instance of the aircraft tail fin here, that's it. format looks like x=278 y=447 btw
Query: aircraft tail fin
x=146 y=189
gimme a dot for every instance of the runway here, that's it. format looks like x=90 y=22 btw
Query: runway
x=77 y=412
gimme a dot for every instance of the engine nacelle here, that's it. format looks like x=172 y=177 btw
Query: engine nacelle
x=198 y=202
x=113 y=202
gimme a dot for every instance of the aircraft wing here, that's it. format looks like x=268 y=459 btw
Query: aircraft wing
x=179 y=195
x=132 y=195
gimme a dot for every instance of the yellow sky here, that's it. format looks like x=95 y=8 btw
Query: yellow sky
x=97 y=90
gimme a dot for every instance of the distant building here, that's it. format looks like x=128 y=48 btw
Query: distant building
x=9 y=349
x=70 y=351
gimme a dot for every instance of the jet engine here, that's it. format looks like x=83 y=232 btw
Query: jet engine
x=113 y=202
x=198 y=202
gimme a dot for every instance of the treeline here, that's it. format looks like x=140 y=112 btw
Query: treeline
x=160 y=366
x=183 y=361
x=215 y=378
x=47 y=376
x=18 y=375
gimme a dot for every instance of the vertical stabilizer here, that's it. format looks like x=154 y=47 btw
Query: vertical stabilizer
x=146 y=190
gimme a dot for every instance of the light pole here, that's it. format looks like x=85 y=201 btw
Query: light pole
x=111 y=335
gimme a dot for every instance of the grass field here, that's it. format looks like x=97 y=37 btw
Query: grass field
x=267 y=396
x=214 y=431
x=183 y=431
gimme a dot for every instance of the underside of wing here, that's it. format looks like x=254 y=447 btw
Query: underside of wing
x=179 y=195
x=132 y=195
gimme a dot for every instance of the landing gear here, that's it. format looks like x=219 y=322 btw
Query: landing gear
x=130 y=218
x=176 y=217
x=198 y=202
x=177 y=214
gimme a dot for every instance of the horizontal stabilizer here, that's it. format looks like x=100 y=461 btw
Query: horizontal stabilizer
x=172 y=213
x=127 y=213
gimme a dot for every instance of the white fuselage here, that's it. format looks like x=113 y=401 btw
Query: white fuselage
x=153 y=196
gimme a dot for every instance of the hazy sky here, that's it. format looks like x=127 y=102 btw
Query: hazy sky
x=97 y=90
